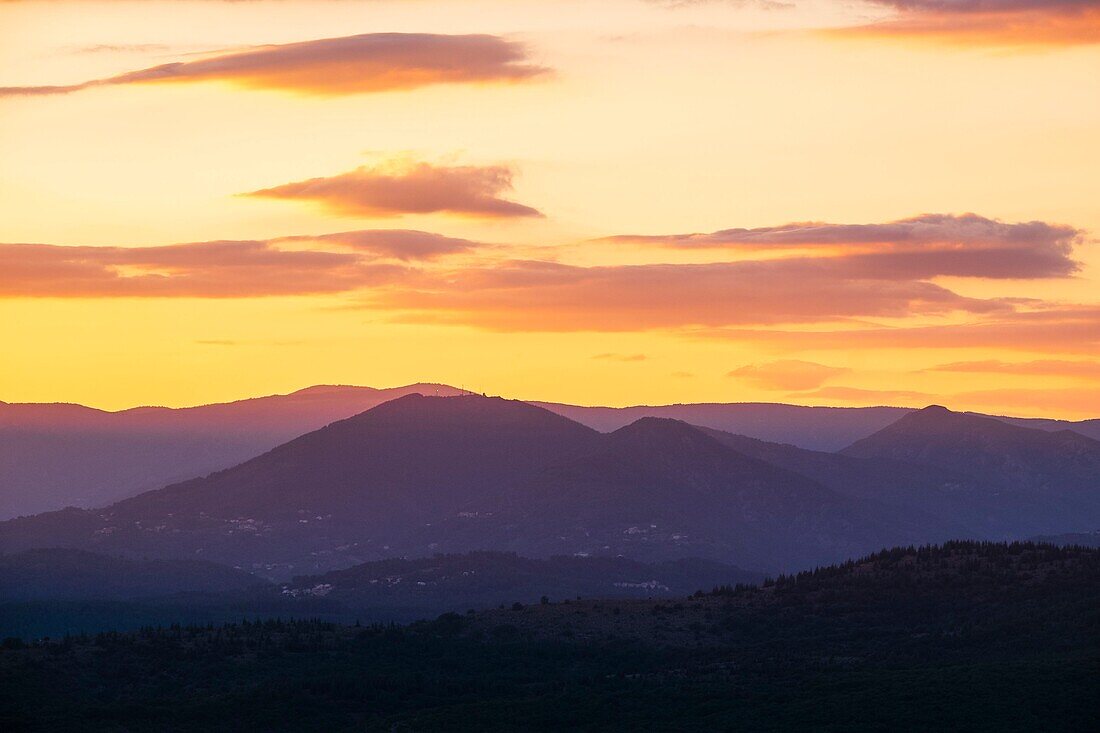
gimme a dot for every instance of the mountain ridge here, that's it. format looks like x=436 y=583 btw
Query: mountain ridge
x=63 y=454
x=421 y=474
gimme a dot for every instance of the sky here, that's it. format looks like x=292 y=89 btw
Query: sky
x=823 y=202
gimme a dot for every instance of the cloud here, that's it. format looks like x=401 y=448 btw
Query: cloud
x=987 y=22
x=620 y=357
x=789 y=375
x=868 y=396
x=831 y=273
x=1084 y=402
x=223 y=269
x=419 y=188
x=920 y=247
x=1069 y=329
x=1037 y=401
x=1039 y=368
x=372 y=62
x=763 y=4
x=401 y=244
x=546 y=296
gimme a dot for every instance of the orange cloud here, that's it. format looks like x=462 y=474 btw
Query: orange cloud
x=401 y=244
x=1064 y=329
x=987 y=22
x=1035 y=401
x=838 y=272
x=925 y=246
x=372 y=62
x=874 y=397
x=546 y=296
x=421 y=188
x=1040 y=368
x=226 y=269
x=789 y=374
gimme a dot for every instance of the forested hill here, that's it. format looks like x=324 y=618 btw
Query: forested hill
x=967 y=636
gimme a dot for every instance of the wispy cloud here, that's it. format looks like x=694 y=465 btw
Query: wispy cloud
x=1066 y=329
x=419 y=188
x=905 y=398
x=824 y=273
x=546 y=296
x=620 y=357
x=401 y=244
x=371 y=62
x=293 y=265
x=1035 y=401
x=1038 y=368
x=919 y=247
x=787 y=374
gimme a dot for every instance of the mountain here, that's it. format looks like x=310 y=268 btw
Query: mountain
x=816 y=428
x=420 y=475
x=1088 y=428
x=57 y=591
x=60 y=574
x=1078 y=539
x=1033 y=481
x=429 y=586
x=901 y=587
x=362 y=488
x=944 y=503
x=56 y=455
x=660 y=488
x=824 y=429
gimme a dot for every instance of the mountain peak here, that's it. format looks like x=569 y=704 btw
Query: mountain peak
x=318 y=389
x=940 y=420
x=659 y=428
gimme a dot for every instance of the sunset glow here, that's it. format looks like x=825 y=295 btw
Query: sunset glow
x=632 y=201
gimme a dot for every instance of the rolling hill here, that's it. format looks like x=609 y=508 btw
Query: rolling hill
x=58 y=455
x=968 y=636
x=420 y=475
x=1029 y=481
x=60 y=574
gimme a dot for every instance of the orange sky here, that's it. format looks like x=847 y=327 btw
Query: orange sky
x=819 y=202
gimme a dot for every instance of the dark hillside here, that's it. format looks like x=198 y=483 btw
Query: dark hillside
x=974 y=637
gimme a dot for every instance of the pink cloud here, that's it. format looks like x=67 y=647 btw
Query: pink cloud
x=371 y=62
x=920 y=247
x=545 y=296
x=991 y=22
x=1056 y=329
x=420 y=189
x=401 y=244
x=224 y=269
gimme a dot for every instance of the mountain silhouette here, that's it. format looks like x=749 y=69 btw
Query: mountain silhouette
x=352 y=491
x=1032 y=481
x=418 y=475
x=56 y=455
x=661 y=488
x=421 y=475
